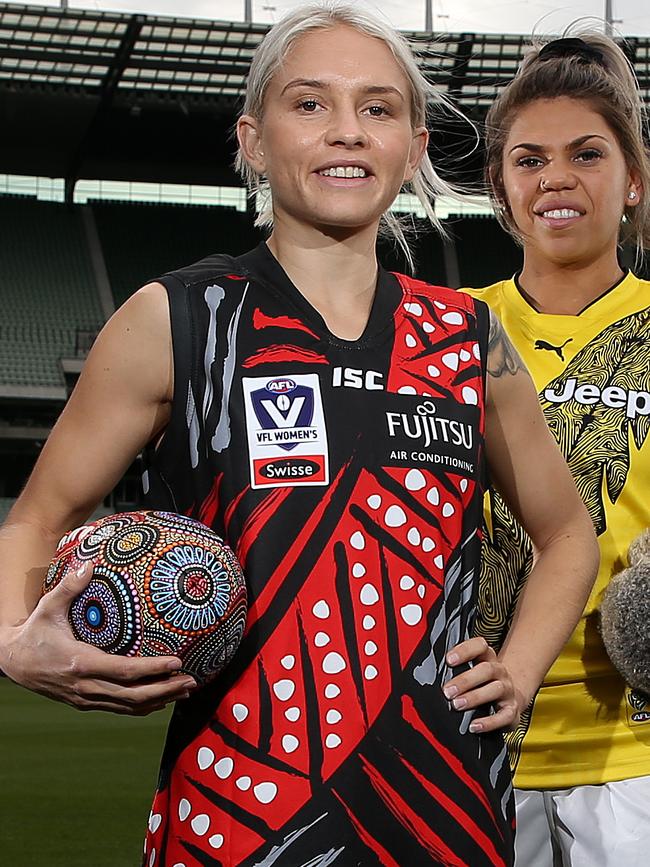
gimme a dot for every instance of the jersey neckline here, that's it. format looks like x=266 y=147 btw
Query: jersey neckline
x=260 y=264
x=595 y=307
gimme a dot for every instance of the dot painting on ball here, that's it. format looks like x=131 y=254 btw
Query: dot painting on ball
x=162 y=584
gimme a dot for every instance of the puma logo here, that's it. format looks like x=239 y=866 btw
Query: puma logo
x=542 y=344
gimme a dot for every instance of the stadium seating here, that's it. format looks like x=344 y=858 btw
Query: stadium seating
x=428 y=254
x=47 y=287
x=141 y=241
x=485 y=252
x=46 y=279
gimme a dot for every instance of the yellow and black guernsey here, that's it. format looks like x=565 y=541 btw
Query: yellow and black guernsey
x=592 y=372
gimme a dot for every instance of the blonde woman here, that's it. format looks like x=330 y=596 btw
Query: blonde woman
x=330 y=420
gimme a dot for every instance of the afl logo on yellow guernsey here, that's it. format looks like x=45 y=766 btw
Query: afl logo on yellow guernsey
x=638 y=707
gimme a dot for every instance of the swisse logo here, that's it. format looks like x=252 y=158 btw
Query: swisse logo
x=290 y=468
x=281 y=386
x=634 y=403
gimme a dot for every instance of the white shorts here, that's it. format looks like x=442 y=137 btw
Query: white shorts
x=587 y=826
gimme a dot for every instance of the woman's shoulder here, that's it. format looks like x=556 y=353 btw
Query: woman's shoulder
x=461 y=299
x=214 y=267
x=491 y=294
x=465 y=298
x=641 y=282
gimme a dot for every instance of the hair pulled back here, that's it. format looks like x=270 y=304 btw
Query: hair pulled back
x=593 y=69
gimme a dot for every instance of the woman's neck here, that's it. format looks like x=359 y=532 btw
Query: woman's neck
x=567 y=288
x=337 y=277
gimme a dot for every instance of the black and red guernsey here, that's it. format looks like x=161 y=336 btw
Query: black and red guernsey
x=348 y=478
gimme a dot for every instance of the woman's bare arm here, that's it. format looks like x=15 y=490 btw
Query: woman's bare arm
x=122 y=400
x=528 y=469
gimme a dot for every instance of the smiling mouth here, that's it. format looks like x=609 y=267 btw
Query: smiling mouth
x=560 y=214
x=343 y=172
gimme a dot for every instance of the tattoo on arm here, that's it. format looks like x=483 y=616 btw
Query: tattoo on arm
x=502 y=356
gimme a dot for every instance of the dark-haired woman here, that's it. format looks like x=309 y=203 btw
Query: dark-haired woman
x=569 y=176
x=330 y=420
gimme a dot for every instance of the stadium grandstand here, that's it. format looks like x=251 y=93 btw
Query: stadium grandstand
x=117 y=166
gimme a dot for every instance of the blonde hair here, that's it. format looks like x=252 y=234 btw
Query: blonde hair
x=593 y=69
x=426 y=183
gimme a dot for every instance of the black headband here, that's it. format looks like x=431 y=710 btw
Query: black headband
x=572 y=47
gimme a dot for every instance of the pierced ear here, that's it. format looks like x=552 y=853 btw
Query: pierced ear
x=635 y=190
x=633 y=197
x=419 y=144
x=250 y=142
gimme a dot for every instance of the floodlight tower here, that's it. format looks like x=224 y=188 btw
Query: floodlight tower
x=610 y=21
x=608 y=17
x=428 y=16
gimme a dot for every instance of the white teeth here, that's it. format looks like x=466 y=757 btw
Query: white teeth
x=561 y=214
x=344 y=172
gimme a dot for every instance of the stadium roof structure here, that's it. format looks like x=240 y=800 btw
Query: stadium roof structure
x=108 y=95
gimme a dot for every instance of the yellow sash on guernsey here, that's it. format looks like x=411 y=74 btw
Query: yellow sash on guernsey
x=592 y=372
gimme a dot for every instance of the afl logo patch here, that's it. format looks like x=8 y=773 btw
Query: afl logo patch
x=286 y=432
x=280 y=386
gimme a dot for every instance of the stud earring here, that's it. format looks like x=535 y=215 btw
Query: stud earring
x=631 y=195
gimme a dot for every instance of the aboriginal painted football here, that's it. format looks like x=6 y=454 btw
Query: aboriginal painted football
x=162 y=584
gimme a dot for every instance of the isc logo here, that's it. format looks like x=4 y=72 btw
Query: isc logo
x=280 y=386
x=352 y=377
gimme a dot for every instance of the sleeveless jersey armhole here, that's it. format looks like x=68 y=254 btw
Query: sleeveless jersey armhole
x=483 y=330
x=483 y=333
x=183 y=343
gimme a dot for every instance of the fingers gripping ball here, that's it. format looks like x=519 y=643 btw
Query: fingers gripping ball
x=625 y=624
x=162 y=584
